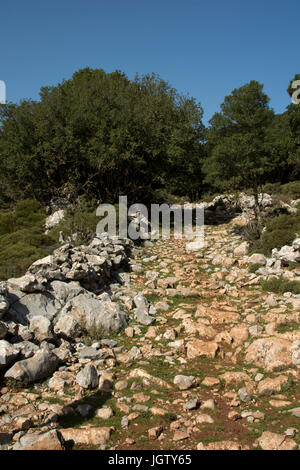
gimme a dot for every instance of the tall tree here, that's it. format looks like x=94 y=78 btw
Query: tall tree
x=237 y=154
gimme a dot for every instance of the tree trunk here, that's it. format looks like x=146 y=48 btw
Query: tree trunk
x=257 y=214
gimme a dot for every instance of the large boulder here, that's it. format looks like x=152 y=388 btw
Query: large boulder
x=41 y=328
x=270 y=353
x=87 y=436
x=272 y=441
x=64 y=291
x=37 y=367
x=26 y=349
x=87 y=377
x=67 y=327
x=23 y=307
x=54 y=219
x=141 y=312
x=94 y=314
x=50 y=440
x=8 y=353
x=288 y=254
x=27 y=283
x=257 y=258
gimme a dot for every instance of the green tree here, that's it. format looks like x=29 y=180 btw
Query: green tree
x=102 y=135
x=236 y=142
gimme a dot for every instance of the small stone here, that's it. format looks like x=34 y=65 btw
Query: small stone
x=158 y=411
x=270 y=300
x=129 y=332
x=258 y=377
x=234 y=415
x=204 y=419
x=124 y=422
x=191 y=404
x=104 y=413
x=87 y=377
x=129 y=441
x=295 y=412
x=208 y=404
x=121 y=385
x=291 y=432
x=180 y=435
x=154 y=433
x=184 y=382
x=244 y=395
x=133 y=416
x=210 y=381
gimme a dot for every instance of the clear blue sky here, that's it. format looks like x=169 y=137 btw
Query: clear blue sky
x=204 y=48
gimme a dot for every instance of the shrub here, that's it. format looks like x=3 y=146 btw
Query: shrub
x=80 y=219
x=279 y=285
x=94 y=334
x=254 y=267
x=22 y=238
x=291 y=189
x=279 y=231
x=252 y=231
x=271 y=188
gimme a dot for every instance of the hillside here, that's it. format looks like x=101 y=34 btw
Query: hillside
x=205 y=356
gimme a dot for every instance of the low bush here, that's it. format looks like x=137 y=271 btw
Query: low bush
x=279 y=285
x=291 y=189
x=80 y=219
x=271 y=188
x=273 y=232
x=279 y=231
x=22 y=238
x=254 y=267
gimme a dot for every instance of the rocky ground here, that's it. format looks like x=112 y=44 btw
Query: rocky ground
x=205 y=359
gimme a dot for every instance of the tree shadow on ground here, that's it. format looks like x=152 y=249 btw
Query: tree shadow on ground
x=75 y=420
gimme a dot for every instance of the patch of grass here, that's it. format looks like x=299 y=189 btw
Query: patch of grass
x=158 y=368
x=254 y=267
x=280 y=285
x=94 y=334
x=286 y=327
x=152 y=298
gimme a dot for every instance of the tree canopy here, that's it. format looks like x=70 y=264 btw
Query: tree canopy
x=103 y=135
x=236 y=140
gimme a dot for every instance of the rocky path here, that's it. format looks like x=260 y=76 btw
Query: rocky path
x=218 y=369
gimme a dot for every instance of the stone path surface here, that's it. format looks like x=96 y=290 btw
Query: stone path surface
x=212 y=364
